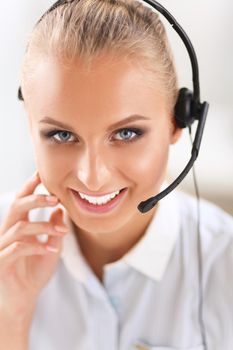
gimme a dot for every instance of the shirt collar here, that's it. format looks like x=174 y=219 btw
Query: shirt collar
x=71 y=254
x=150 y=256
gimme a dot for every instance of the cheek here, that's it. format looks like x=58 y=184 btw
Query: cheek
x=145 y=165
x=46 y=161
x=52 y=166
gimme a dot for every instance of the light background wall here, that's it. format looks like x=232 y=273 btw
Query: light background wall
x=210 y=28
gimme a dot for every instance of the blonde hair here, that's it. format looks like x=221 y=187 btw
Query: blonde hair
x=88 y=28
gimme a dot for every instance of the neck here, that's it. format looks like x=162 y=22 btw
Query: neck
x=110 y=247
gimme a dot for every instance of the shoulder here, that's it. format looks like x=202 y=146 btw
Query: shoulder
x=37 y=214
x=215 y=230
x=216 y=238
x=213 y=220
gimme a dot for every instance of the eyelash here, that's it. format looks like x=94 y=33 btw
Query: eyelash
x=50 y=135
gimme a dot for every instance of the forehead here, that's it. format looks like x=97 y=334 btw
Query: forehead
x=107 y=84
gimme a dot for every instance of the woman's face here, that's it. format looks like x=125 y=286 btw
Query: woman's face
x=89 y=154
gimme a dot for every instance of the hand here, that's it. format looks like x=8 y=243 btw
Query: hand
x=26 y=265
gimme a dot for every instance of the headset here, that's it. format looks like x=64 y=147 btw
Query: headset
x=188 y=107
x=187 y=110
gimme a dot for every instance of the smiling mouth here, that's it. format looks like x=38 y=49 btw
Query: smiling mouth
x=100 y=208
x=99 y=195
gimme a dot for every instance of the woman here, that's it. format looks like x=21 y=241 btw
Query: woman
x=99 y=88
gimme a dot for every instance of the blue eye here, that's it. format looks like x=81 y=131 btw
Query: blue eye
x=127 y=133
x=64 y=137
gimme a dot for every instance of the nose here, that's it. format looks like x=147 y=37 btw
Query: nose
x=93 y=170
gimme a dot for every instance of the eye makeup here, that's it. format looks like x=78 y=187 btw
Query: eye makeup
x=50 y=135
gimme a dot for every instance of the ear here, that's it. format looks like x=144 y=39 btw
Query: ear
x=176 y=132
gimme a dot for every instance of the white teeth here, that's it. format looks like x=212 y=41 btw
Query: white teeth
x=99 y=200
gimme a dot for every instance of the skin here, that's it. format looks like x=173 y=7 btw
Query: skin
x=96 y=160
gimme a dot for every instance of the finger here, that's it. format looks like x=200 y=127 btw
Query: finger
x=29 y=186
x=18 y=249
x=20 y=207
x=24 y=229
x=56 y=219
x=33 y=201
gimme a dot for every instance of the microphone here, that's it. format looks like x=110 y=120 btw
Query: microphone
x=148 y=204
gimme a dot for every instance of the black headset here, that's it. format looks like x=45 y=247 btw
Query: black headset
x=188 y=107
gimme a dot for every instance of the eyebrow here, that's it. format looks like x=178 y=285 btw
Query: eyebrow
x=132 y=118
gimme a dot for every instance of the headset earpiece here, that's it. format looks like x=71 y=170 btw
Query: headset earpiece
x=184 y=109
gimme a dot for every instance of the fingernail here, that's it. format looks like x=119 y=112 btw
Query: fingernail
x=51 y=199
x=52 y=249
x=61 y=229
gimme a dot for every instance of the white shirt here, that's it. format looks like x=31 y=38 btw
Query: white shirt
x=149 y=298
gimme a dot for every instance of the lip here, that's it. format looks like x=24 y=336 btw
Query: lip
x=99 y=209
